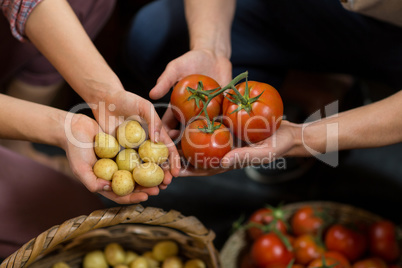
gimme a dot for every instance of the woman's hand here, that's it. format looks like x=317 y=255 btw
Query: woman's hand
x=80 y=134
x=123 y=105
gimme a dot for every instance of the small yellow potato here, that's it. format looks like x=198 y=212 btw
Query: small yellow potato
x=120 y=266
x=61 y=265
x=95 y=259
x=106 y=146
x=172 y=262
x=128 y=159
x=148 y=254
x=122 y=182
x=104 y=168
x=148 y=175
x=130 y=134
x=153 y=152
x=152 y=263
x=140 y=262
x=165 y=249
x=130 y=257
x=114 y=254
x=195 y=263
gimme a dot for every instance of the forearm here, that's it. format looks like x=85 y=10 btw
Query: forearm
x=23 y=120
x=209 y=23
x=56 y=31
x=374 y=125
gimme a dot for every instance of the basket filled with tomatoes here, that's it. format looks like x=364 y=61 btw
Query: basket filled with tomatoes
x=313 y=234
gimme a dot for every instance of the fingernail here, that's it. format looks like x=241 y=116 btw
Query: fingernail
x=106 y=188
x=156 y=137
x=227 y=162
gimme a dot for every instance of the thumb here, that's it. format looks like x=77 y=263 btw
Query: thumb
x=163 y=85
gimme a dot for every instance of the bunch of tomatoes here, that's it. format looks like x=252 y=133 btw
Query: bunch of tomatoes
x=251 y=110
x=310 y=238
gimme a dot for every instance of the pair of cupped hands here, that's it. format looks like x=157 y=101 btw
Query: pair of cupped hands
x=121 y=105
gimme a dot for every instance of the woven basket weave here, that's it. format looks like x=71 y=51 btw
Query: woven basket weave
x=236 y=245
x=134 y=227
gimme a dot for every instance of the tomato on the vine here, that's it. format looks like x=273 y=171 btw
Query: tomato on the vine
x=273 y=218
x=347 y=241
x=307 y=220
x=254 y=112
x=205 y=148
x=339 y=257
x=325 y=262
x=383 y=240
x=307 y=248
x=269 y=249
x=372 y=262
x=187 y=97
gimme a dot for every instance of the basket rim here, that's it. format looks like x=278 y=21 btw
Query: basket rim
x=72 y=228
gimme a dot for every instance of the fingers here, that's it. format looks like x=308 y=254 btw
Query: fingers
x=174 y=157
x=191 y=172
x=169 y=121
x=165 y=82
x=148 y=112
x=128 y=199
x=245 y=156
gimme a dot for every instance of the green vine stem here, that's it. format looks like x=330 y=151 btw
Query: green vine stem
x=210 y=94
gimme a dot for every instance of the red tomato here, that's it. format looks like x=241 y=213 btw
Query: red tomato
x=269 y=250
x=263 y=217
x=184 y=102
x=382 y=241
x=307 y=220
x=350 y=243
x=255 y=121
x=205 y=150
x=325 y=262
x=296 y=265
x=370 y=263
x=341 y=259
x=306 y=248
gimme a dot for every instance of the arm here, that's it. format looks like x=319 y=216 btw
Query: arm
x=55 y=30
x=374 y=125
x=209 y=24
x=42 y=124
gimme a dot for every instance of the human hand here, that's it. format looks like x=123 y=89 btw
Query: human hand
x=278 y=145
x=80 y=134
x=193 y=62
x=122 y=105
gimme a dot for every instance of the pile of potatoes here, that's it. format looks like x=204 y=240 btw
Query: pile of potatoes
x=164 y=254
x=126 y=167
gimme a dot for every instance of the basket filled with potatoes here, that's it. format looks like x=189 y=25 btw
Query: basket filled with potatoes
x=129 y=159
x=121 y=237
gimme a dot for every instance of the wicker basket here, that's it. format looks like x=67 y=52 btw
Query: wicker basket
x=236 y=245
x=134 y=227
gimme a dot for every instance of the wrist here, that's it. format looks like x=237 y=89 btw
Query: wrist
x=98 y=90
x=219 y=48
